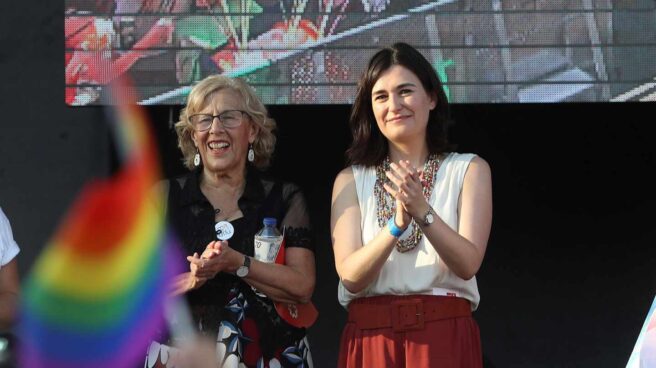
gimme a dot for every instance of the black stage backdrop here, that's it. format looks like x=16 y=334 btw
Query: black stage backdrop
x=569 y=273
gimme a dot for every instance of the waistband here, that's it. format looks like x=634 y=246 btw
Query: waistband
x=405 y=312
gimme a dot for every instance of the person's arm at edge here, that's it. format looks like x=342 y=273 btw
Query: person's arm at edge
x=9 y=293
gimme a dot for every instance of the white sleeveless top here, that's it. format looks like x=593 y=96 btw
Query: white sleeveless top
x=418 y=271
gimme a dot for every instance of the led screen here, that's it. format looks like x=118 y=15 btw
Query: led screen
x=313 y=52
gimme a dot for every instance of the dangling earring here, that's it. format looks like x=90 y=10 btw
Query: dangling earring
x=251 y=153
x=197 y=158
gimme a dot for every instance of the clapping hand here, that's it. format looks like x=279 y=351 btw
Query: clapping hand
x=217 y=257
x=408 y=192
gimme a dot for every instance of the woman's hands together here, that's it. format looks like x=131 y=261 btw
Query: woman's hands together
x=408 y=192
x=217 y=257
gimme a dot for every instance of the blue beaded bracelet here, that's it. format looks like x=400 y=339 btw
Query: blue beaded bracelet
x=393 y=229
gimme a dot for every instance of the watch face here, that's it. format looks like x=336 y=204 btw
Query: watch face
x=429 y=218
x=242 y=271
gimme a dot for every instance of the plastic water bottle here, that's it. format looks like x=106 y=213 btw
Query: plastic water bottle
x=267 y=241
x=267 y=244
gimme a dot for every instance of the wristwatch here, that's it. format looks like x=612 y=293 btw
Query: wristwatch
x=429 y=217
x=242 y=271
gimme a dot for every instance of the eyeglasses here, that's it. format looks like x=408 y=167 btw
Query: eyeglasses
x=229 y=119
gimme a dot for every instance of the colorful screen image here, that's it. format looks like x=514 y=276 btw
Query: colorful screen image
x=644 y=352
x=314 y=51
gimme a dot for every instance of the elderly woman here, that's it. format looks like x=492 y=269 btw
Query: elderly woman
x=225 y=136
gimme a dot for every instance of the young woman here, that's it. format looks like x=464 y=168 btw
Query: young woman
x=410 y=223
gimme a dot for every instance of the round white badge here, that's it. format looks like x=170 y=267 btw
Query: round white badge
x=224 y=230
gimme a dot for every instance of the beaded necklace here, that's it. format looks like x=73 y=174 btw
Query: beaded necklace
x=386 y=205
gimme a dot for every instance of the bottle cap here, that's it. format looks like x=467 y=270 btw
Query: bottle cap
x=270 y=221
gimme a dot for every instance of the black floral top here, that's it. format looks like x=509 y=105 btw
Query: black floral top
x=192 y=217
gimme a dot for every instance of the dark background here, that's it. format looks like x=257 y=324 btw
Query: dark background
x=570 y=270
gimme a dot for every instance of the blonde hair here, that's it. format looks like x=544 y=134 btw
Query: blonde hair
x=265 y=139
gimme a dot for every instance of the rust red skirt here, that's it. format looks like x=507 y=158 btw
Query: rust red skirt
x=410 y=331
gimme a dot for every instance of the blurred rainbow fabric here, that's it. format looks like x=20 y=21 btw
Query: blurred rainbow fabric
x=96 y=294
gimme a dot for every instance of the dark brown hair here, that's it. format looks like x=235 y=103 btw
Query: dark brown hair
x=369 y=146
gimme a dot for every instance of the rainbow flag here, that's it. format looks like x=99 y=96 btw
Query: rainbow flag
x=96 y=295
